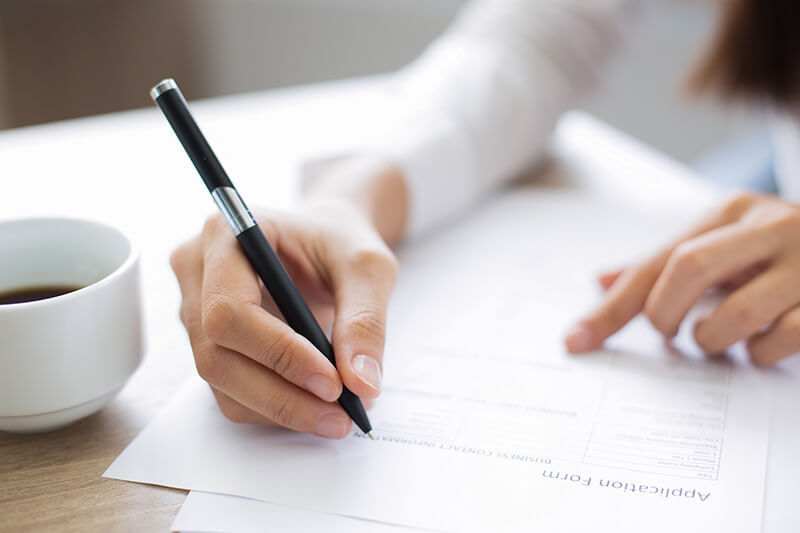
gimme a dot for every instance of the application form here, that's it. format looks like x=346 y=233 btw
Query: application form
x=485 y=423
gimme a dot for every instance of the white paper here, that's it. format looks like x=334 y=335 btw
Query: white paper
x=781 y=512
x=485 y=423
x=218 y=513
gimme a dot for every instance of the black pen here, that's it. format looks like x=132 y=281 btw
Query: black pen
x=256 y=247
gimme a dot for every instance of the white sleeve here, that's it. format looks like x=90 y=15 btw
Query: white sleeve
x=478 y=106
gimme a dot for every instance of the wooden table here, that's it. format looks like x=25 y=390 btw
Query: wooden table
x=51 y=481
x=128 y=169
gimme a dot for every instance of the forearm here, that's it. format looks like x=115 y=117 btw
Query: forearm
x=374 y=186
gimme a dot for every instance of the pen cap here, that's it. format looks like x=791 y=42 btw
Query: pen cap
x=169 y=98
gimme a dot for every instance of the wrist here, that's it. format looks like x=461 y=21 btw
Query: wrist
x=371 y=185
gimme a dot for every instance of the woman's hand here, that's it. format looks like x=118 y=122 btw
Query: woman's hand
x=751 y=243
x=259 y=369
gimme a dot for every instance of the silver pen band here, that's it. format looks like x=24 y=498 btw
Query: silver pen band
x=162 y=87
x=233 y=209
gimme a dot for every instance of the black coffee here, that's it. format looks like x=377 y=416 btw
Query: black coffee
x=31 y=294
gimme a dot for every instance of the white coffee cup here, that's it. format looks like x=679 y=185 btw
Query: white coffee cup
x=63 y=358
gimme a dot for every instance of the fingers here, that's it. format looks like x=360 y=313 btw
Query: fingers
x=238 y=413
x=700 y=263
x=607 y=279
x=627 y=294
x=187 y=263
x=262 y=391
x=748 y=310
x=247 y=391
x=362 y=287
x=780 y=341
x=742 y=277
x=259 y=369
x=623 y=301
x=232 y=317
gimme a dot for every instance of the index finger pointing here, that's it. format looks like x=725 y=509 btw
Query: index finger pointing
x=623 y=301
x=626 y=297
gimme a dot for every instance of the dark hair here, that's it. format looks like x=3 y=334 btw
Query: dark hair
x=755 y=53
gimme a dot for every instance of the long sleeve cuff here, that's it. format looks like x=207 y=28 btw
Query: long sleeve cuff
x=436 y=161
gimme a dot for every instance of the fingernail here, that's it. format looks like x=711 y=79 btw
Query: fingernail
x=333 y=426
x=323 y=387
x=368 y=370
x=580 y=339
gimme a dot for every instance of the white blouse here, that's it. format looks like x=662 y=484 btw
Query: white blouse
x=482 y=100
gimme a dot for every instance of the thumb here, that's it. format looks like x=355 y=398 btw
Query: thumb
x=607 y=279
x=362 y=288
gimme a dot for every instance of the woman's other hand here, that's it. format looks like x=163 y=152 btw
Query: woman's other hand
x=751 y=243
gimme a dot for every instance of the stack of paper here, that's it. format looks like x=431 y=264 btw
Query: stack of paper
x=485 y=423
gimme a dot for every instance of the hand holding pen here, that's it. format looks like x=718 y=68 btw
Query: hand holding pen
x=260 y=368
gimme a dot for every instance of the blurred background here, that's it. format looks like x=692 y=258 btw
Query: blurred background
x=55 y=54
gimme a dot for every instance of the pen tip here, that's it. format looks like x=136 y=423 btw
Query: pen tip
x=369 y=434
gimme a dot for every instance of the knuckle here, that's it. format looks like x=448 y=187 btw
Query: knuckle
x=375 y=261
x=214 y=370
x=281 y=409
x=391 y=266
x=687 y=262
x=367 y=323
x=218 y=319
x=653 y=314
x=741 y=316
x=233 y=411
x=190 y=318
x=706 y=334
x=177 y=259
x=758 y=353
x=213 y=224
x=183 y=314
x=704 y=342
x=279 y=354
x=738 y=202
x=790 y=326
